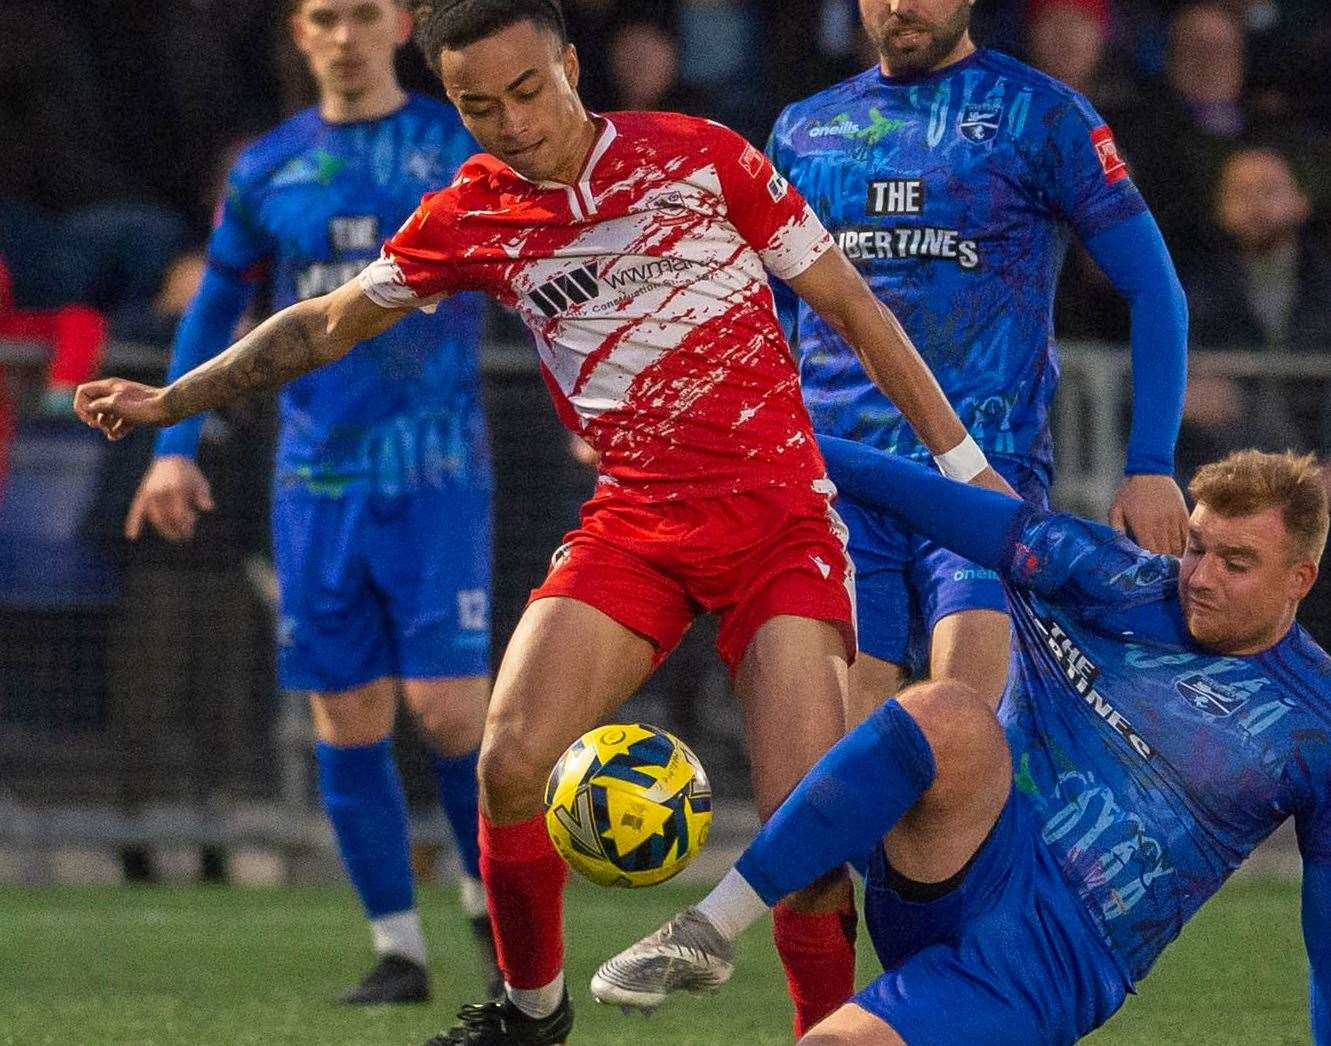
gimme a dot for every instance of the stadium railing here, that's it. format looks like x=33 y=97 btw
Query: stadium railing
x=539 y=489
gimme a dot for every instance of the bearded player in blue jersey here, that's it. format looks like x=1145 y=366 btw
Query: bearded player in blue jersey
x=952 y=177
x=1162 y=718
x=382 y=517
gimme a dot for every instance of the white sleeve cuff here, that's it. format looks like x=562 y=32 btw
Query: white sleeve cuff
x=797 y=246
x=383 y=283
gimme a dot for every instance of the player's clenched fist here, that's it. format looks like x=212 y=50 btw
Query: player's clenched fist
x=172 y=495
x=117 y=406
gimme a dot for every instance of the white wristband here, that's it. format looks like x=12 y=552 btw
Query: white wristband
x=963 y=462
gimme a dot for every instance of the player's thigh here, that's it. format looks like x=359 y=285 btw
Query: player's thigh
x=872 y=681
x=361 y=715
x=791 y=686
x=566 y=667
x=852 y=1026
x=963 y=606
x=451 y=712
x=973 y=647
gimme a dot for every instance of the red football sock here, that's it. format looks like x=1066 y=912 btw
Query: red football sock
x=524 y=887
x=817 y=950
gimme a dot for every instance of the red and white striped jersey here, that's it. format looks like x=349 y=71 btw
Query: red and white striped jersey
x=645 y=285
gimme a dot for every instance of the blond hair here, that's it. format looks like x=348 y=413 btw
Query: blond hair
x=294 y=6
x=1250 y=481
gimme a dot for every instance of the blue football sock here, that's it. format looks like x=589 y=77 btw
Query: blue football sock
x=459 y=794
x=844 y=805
x=362 y=792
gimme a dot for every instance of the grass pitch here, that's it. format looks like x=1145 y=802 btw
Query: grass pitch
x=159 y=966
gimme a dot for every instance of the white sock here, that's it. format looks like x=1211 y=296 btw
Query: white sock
x=399 y=934
x=538 y=1002
x=471 y=895
x=733 y=906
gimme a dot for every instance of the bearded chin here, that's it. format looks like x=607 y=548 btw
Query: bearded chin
x=942 y=42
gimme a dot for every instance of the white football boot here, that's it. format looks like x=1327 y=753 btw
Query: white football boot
x=686 y=954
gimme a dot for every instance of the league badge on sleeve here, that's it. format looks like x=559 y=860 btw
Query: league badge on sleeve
x=1107 y=151
x=979 y=120
x=751 y=160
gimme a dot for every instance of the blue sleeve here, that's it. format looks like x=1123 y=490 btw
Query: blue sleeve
x=1057 y=555
x=204 y=331
x=1087 y=184
x=1079 y=173
x=976 y=523
x=1317 y=940
x=238 y=254
x=238 y=243
x=1134 y=257
x=1310 y=784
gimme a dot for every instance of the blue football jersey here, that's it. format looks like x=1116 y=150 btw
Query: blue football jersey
x=954 y=195
x=1154 y=766
x=308 y=206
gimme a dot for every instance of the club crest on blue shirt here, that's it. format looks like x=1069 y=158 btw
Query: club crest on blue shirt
x=1206 y=695
x=979 y=120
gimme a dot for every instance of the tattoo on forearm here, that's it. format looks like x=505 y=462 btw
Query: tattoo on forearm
x=281 y=348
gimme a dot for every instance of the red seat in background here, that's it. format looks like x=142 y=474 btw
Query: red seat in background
x=75 y=335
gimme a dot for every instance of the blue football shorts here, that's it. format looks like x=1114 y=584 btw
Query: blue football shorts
x=1009 y=957
x=374 y=586
x=905 y=583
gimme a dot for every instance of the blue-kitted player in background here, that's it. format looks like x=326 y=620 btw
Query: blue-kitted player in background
x=382 y=500
x=953 y=177
x=1162 y=718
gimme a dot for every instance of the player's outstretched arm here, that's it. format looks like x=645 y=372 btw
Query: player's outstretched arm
x=297 y=340
x=1317 y=939
x=977 y=524
x=1149 y=506
x=1063 y=557
x=839 y=294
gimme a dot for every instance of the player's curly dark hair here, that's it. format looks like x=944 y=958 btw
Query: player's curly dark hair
x=453 y=24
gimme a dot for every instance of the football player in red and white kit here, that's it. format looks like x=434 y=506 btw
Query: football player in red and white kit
x=636 y=247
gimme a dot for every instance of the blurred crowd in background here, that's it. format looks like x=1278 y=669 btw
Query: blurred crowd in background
x=119 y=120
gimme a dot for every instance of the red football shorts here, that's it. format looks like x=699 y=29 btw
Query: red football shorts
x=749 y=557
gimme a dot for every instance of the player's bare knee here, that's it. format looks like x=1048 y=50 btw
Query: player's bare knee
x=352 y=717
x=450 y=712
x=512 y=774
x=968 y=743
x=449 y=729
